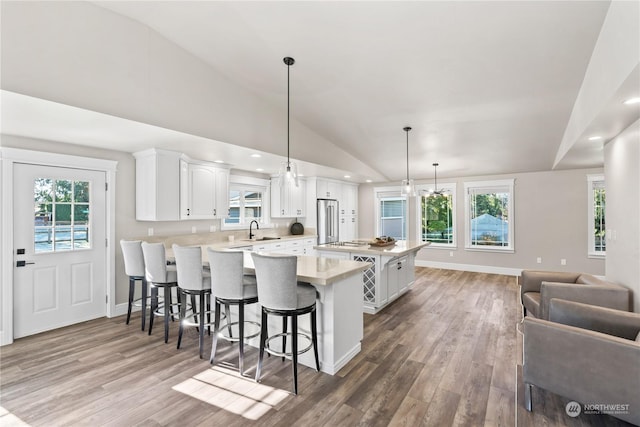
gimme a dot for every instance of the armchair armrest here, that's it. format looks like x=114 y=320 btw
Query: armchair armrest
x=608 y=321
x=602 y=295
x=531 y=281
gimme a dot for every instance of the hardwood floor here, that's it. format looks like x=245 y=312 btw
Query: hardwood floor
x=446 y=353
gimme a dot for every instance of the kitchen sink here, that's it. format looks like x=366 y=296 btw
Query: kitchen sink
x=261 y=239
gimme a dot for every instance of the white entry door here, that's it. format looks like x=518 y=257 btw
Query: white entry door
x=59 y=247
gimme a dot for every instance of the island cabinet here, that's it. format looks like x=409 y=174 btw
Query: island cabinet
x=204 y=190
x=391 y=272
x=288 y=201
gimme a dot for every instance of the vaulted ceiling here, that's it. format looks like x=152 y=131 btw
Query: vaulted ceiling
x=488 y=87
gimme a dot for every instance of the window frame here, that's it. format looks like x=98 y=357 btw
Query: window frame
x=498 y=185
x=592 y=181
x=395 y=193
x=243 y=184
x=422 y=189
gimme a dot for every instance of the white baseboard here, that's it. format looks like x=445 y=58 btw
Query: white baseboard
x=122 y=309
x=470 y=267
x=332 y=370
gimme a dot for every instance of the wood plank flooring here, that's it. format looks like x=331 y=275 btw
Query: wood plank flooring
x=446 y=353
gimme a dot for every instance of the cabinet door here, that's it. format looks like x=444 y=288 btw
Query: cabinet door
x=221 y=208
x=297 y=200
x=349 y=199
x=374 y=294
x=288 y=201
x=327 y=189
x=197 y=191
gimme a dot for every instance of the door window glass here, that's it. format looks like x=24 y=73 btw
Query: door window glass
x=62 y=215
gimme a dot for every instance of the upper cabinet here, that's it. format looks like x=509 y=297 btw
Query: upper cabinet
x=327 y=189
x=288 y=201
x=170 y=186
x=204 y=190
x=349 y=199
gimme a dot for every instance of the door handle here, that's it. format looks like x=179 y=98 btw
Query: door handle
x=22 y=263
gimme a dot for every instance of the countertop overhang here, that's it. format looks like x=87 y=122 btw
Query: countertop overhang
x=401 y=248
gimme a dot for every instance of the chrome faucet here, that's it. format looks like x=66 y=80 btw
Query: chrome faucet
x=250 y=230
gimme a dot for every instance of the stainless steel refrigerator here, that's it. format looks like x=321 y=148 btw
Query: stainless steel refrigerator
x=327 y=221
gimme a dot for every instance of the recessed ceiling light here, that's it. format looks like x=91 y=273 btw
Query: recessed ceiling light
x=368 y=180
x=259 y=169
x=594 y=138
x=256 y=155
x=630 y=101
x=218 y=161
x=347 y=176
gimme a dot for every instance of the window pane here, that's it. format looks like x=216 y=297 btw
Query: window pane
x=62 y=214
x=252 y=205
x=437 y=219
x=63 y=191
x=392 y=218
x=43 y=239
x=80 y=214
x=490 y=219
x=62 y=238
x=600 y=243
x=81 y=192
x=43 y=190
x=81 y=237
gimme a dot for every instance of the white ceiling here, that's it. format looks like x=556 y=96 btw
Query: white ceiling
x=488 y=87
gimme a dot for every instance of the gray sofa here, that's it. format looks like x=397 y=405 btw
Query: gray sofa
x=586 y=353
x=537 y=288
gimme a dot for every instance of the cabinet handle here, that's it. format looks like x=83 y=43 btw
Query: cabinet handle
x=282 y=211
x=188 y=212
x=399 y=266
x=214 y=212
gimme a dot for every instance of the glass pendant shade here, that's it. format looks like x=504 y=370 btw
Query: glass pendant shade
x=288 y=174
x=408 y=188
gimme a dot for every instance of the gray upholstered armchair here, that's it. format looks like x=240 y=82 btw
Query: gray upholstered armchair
x=586 y=353
x=537 y=288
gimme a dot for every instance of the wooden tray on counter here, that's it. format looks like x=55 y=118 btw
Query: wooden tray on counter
x=381 y=244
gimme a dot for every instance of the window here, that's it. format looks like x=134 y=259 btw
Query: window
x=436 y=214
x=597 y=229
x=246 y=202
x=61 y=218
x=391 y=211
x=489 y=215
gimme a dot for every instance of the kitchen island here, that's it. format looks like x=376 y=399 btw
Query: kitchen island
x=339 y=297
x=392 y=270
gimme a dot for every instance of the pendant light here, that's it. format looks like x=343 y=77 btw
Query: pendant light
x=288 y=173
x=434 y=191
x=408 y=189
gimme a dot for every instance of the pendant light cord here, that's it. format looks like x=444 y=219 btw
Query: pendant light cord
x=288 y=125
x=407 y=129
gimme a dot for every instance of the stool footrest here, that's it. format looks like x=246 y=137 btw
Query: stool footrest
x=283 y=352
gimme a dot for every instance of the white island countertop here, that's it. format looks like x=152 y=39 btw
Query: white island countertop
x=401 y=248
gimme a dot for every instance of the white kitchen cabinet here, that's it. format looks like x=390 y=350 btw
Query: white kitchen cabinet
x=348 y=227
x=157 y=185
x=301 y=246
x=288 y=201
x=204 y=190
x=349 y=199
x=328 y=189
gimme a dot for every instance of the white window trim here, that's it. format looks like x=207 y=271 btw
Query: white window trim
x=467 y=216
x=591 y=253
x=451 y=188
x=376 y=198
x=249 y=182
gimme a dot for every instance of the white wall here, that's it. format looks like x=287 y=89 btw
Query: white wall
x=622 y=184
x=550 y=222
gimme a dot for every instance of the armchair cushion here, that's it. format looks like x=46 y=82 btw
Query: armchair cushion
x=537 y=288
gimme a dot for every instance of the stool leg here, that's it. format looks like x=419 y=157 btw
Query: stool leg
x=216 y=329
x=263 y=339
x=168 y=307
x=201 y=332
x=144 y=301
x=154 y=306
x=132 y=287
x=284 y=336
x=182 y=316
x=294 y=351
x=314 y=337
x=241 y=338
x=228 y=313
x=194 y=307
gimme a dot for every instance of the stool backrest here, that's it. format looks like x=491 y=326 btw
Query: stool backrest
x=189 y=267
x=133 y=257
x=277 y=281
x=227 y=273
x=155 y=262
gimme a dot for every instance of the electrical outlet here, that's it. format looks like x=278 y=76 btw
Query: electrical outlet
x=539 y=260
x=150 y=231
x=563 y=261
x=193 y=230
x=450 y=253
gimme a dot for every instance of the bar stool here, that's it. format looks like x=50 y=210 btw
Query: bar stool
x=134 y=268
x=193 y=281
x=160 y=275
x=230 y=286
x=280 y=294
